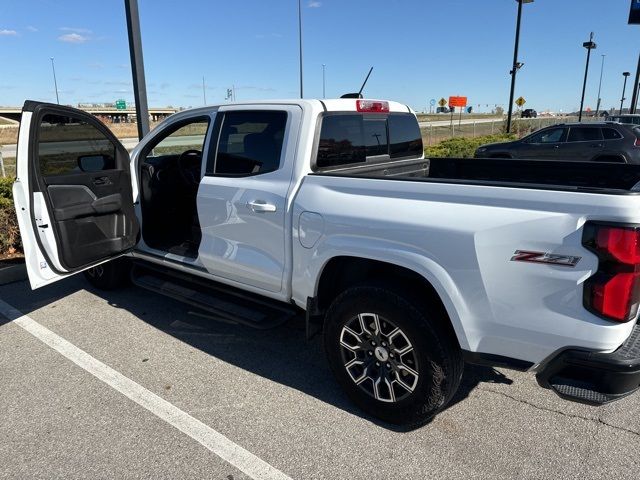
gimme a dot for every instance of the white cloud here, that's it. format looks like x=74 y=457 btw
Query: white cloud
x=314 y=4
x=85 y=31
x=8 y=33
x=31 y=28
x=73 y=38
x=268 y=35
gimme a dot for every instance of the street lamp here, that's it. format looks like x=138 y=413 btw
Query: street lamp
x=624 y=88
x=323 y=82
x=590 y=45
x=55 y=82
x=600 y=86
x=516 y=65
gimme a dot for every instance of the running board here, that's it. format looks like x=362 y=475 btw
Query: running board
x=220 y=302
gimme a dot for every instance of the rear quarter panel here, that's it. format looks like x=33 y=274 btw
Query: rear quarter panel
x=461 y=238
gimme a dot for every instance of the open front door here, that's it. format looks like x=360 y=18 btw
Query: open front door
x=73 y=192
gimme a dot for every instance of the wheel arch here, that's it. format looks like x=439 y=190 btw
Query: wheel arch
x=342 y=272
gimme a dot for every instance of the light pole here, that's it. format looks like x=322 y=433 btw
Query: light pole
x=55 y=82
x=636 y=85
x=323 y=82
x=300 y=44
x=516 y=65
x=137 y=66
x=204 y=93
x=590 y=45
x=624 y=88
x=600 y=86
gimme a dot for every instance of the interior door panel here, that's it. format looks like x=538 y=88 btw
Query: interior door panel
x=91 y=219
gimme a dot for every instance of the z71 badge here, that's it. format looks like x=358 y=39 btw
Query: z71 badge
x=543 y=257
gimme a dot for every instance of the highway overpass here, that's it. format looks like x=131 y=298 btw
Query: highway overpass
x=104 y=113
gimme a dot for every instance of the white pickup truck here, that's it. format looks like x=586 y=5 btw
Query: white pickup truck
x=257 y=212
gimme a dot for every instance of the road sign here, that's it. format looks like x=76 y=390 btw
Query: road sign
x=520 y=101
x=121 y=105
x=634 y=14
x=432 y=102
x=458 y=101
x=442 y=102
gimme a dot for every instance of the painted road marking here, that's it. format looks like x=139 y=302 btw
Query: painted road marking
x=214 y=441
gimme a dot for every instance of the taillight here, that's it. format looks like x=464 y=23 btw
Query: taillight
x=613 y=292
x=372 y=106
x=637 y=142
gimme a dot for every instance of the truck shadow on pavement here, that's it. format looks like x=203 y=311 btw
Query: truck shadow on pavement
x=281 y=355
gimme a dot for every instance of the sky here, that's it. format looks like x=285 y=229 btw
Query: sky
x=420 y=50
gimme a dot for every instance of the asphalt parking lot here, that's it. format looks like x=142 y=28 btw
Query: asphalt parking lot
x=164 y=393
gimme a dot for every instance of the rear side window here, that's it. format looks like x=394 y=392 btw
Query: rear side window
x=356 y=138
x=584 y=134
x=68 y=145
x=611 y=134
x=250 y=143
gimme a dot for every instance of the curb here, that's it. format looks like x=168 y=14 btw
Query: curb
x=13 y=273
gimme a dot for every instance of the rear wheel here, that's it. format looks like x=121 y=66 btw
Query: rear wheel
x=110 y=275
x=390 y=356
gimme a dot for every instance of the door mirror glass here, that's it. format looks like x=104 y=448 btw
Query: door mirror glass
x=93 y=163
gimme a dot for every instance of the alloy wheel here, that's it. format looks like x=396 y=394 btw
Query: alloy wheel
x=379 y=357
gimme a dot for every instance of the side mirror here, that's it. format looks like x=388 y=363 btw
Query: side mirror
x=93 y=163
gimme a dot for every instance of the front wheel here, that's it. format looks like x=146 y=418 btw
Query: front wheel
x=389 y=355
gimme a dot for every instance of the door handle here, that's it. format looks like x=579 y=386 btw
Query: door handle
x=260 y=206
x=99 y=181
x=597 y=145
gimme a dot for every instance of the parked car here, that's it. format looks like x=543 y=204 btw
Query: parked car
x=593 y=142
x=632 y=119
x=326 y=210
x=529 y=113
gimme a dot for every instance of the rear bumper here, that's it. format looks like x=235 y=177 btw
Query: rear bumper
x=595 y=378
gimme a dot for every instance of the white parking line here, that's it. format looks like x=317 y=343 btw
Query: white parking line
x=216 y=442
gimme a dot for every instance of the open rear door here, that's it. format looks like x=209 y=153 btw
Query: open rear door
x=73 y=192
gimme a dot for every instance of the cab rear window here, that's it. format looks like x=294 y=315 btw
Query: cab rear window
x=347 y=139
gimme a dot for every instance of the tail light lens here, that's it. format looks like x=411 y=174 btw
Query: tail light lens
x=613 y=292
x=637 y=142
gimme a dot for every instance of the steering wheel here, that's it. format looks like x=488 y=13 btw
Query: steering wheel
x=189 y=164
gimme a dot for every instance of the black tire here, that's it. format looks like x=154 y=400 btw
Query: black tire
x=110 y=275
x=437 y=356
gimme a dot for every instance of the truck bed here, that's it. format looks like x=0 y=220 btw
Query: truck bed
x=611 y=178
